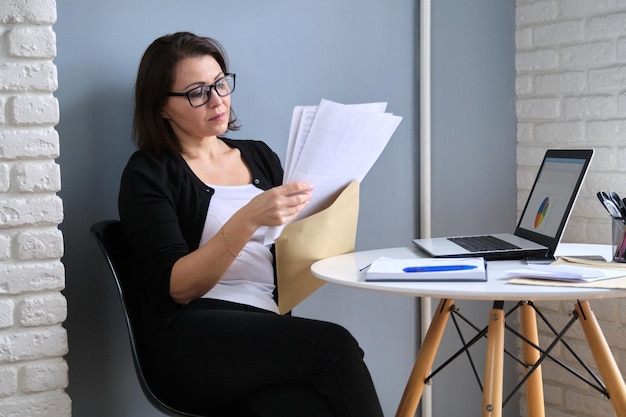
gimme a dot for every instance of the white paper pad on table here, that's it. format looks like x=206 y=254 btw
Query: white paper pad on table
x=426 y=269
x=330 y=146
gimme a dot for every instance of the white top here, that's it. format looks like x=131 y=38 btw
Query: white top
x=250 y=279
x=345 y=270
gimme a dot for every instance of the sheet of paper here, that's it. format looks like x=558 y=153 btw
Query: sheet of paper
x=331 y=145
x=570 y=260
x=567 y=273
x=613 y=284
x=301 y=121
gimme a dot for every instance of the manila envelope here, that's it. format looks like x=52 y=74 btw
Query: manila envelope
x=327 y=233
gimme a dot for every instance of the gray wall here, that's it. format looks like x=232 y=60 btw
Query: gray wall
x=474 y=145
x=474 y=123
x=349 y=51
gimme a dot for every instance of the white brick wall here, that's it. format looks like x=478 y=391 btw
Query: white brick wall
x=571 y=92
x=33 y=342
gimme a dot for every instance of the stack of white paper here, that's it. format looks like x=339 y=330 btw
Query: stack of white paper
x=568 y=273
x=427 y=269
x=331 y=145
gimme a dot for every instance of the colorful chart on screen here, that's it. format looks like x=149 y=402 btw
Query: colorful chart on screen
x=541 y=213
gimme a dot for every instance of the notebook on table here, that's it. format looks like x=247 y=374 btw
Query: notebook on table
x=543 y=219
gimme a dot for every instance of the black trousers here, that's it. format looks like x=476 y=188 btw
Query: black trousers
x=225 y=359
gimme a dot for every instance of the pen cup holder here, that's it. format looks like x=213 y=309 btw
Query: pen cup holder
x=619 y=240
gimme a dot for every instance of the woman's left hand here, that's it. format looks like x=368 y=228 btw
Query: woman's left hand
x=279 y=205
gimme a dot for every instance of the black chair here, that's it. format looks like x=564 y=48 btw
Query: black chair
x=117 y=251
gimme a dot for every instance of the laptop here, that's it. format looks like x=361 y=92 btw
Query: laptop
x=543 y=219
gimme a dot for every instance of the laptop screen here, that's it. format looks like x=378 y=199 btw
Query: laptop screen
x=552 y=196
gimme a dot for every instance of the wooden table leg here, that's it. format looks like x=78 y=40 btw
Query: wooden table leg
x=424 y=362
x=534 y=383
x=492 y=391
x=604 y=358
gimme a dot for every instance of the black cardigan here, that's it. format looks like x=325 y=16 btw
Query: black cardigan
x=163 y=207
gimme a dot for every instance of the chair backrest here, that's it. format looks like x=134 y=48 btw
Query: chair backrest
x=118 y=253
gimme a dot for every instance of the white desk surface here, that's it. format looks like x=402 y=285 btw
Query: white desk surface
x=344 y=270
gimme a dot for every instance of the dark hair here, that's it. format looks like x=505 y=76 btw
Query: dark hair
x=155 y=77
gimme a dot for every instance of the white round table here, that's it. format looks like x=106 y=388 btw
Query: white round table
x=349 y=270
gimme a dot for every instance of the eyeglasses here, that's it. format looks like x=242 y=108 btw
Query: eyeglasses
x=202 y=94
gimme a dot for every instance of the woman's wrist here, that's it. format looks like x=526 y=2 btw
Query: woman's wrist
x=227 y=244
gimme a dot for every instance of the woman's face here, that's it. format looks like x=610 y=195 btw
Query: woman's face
x=196 y=123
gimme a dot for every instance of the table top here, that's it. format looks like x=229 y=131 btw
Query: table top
x=345 y=270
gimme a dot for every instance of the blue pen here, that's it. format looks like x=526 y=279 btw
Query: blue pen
x=438 y=268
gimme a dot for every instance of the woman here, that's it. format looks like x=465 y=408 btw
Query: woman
x=195 y=206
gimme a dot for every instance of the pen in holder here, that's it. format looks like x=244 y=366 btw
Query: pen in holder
x=619 y=239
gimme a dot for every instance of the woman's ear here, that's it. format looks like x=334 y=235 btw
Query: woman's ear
x=164 y=114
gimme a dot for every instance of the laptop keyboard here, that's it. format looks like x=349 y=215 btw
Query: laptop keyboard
x=482 y=243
